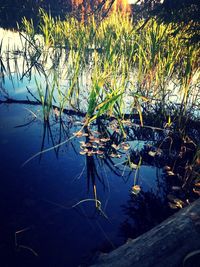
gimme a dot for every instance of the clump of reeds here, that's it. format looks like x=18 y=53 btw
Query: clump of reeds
x=150 y=65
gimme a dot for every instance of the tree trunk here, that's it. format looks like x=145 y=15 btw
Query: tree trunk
x=167 y=245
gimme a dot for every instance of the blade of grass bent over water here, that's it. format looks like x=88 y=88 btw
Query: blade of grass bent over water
x=47 y=150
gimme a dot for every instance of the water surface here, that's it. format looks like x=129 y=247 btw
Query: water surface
x=48 y=211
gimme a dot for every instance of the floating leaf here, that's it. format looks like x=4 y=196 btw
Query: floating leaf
x=99 y=152
x=135 y=189
x=78 y=134
x=170 y=173
x=178 y=202
x=125 y=146
x=96 y=140
x=101 y=146
x=114 y=155
x=82 y=152
x=116 y=147
x=104 y=140
x=91 y=137
x=152 y=153
x=82 y=142
x=88 y=145
x=133 y=165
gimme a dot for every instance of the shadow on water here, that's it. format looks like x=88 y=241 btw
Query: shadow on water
x=143 y=213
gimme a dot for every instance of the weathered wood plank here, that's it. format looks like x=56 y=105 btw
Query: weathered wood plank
x=166 y=245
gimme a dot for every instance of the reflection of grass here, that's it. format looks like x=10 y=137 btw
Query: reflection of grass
x=2 y=67
x=116 y=69
x=110 y=141
x=46 y=98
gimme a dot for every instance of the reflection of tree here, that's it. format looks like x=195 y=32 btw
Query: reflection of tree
x=143 y=211
x=12 y=11
x=182 y=12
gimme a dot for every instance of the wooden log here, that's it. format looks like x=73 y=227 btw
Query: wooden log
x=169 y=244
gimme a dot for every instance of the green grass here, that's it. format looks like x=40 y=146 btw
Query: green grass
x=148 y=66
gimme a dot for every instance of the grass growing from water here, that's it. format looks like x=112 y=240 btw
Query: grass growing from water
x=116 y=69
x=150 y=65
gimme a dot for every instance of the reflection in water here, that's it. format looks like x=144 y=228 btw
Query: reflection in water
x=43 y=193
x=12 y=12
x=49 y=194
x=143 y=212
x=72 y=197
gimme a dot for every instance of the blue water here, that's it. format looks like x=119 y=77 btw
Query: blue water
x=37 y=198
x=47 y=207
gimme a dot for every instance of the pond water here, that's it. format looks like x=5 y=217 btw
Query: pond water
x=38 y=198
x=49 y=210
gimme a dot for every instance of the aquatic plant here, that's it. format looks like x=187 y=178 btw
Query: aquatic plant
x=154 y=53
x=114 y=68
x=46 y=97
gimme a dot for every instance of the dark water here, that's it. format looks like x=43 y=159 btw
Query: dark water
x=37 y=199
x=47 y=207
x=12 y=11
